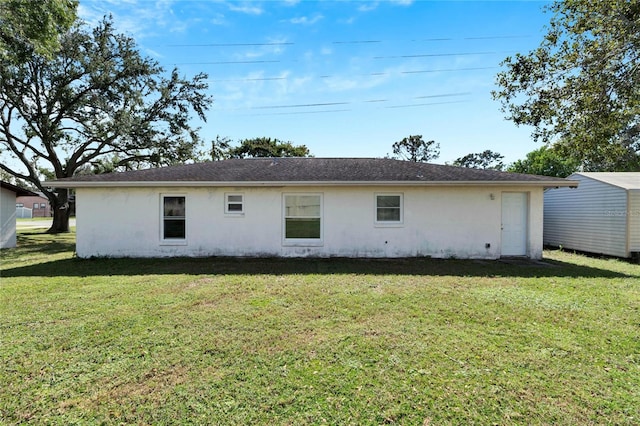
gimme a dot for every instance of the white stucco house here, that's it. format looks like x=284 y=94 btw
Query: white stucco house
x=317 y=207
x=8 y=194
x=601 y=216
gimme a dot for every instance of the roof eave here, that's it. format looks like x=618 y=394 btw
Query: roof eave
x=149 y=184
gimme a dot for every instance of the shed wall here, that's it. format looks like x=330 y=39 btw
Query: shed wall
x=634 y=220
x=437 y=222
x=7 y=218
x=591 y=218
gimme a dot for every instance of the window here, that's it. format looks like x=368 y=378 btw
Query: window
x=19 y=205
x=35 y=206
x=43 y=206
x=303 y=218
x=234 y=204
x=173 y=217
x=388 y=208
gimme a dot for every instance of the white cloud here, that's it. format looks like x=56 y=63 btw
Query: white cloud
x=368 y=7
x=305 y=20
x=218 y=19
x=246 y=9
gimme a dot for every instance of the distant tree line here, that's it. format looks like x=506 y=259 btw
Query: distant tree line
x=222 y=148
x=547 y=160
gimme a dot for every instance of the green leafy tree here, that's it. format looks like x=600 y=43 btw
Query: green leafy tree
x=482 y=160
x=545 y=161
x=220 y=148
x=581 y=86
x=33 y=27
x=414 y=148
x=267 y=147
x=98 y=99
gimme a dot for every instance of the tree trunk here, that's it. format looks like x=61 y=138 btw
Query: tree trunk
x=61 y=212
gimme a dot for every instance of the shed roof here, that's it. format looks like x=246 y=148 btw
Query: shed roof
x=19 y=191
x=626 y=180
x=309 y=171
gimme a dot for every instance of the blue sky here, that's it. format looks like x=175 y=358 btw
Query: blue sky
x=345 y=78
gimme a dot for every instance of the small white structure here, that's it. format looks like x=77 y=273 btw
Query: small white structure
x=8 y=194
x=358 y=207
x=601 y=216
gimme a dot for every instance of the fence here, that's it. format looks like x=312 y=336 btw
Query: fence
x=24 y=213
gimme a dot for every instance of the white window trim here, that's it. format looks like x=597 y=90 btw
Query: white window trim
x=388 y=223
x=229 y=213
x=173 y=241
x=302 y=242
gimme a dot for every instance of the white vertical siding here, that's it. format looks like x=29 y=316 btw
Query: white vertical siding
x=7 y=218
x=634 y=220
x=437 y=222
x=591 y=218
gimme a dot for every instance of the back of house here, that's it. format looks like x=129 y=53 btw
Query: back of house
x=601 y=216
x=310 y=207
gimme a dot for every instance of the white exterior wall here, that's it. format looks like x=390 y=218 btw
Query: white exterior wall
x=591 y=218
x=7 y=218
x=634 y=220
x=437 y=221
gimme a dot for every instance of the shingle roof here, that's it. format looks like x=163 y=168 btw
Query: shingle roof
x=307 y=170
x=19 y=191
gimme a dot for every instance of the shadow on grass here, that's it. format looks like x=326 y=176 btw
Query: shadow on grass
x=38 y=246
x=278 y=266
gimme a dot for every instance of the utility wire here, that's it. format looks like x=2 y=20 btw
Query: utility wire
x=347 y=42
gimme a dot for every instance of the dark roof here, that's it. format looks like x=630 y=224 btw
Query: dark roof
x=19 y=191
x=308 y=170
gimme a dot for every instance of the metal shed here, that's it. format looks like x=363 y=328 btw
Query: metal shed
x=601 y=216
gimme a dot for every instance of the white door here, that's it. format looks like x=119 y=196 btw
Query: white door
x=514 y=223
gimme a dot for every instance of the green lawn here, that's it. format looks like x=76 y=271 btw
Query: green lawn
x=412 y=342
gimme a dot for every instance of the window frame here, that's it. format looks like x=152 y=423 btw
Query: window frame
x=227 y=202
x=389 y=223
x=302 y=242
x=173 y=241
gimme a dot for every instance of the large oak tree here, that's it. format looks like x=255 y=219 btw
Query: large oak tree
x=97 y=101
x=31 y=25
x=580 y=88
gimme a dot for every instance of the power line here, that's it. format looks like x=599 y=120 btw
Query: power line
x=247 y=79
x=303 y=112
x=424 y=104
x=347 y=42
x=444 y=95
x=227 y=62
x=323 y=104
x=357 y=42
x=301 y=105
x=231 y=44
x=430 y=55
x=374 y=74
x=447 y=70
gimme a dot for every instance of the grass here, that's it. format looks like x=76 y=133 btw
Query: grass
x=333 y=341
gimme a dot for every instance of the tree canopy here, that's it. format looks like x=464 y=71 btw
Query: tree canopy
x=29 y=26
x=264 y=147
x=545 y=161
x=97 y=103
x=486 y=159
x=581 y=87
x=414 y=148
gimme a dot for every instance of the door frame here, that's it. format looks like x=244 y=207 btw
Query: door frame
x=526 y=201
